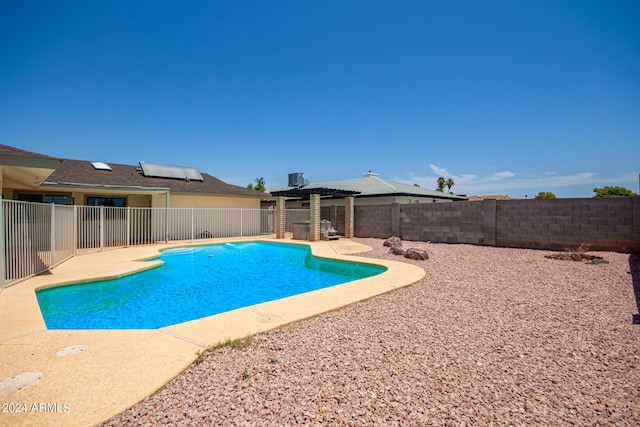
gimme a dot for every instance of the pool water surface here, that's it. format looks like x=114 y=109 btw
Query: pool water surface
x=196 y=282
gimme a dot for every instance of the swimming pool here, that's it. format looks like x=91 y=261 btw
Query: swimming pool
x=196 y=282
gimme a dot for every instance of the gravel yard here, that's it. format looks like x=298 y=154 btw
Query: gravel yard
x=492 y=336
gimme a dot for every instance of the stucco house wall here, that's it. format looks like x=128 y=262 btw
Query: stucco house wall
x=189 y=201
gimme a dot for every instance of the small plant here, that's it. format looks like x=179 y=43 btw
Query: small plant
x=245 y=374
x=236 y=344
x=200 y=356
x=580 y=253
x=577 y=254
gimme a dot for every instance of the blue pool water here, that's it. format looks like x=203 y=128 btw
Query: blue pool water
x=196 y=282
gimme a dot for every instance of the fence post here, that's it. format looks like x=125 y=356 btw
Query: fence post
x=166 y=226
x=101 y=228
x=128 y=226
x=75 y=230
x=53 y=235
x=241 y=222
x=2 y=257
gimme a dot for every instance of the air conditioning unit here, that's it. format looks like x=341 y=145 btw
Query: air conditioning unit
x=296 y=179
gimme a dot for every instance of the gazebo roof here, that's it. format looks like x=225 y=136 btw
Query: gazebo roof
x=305 y=193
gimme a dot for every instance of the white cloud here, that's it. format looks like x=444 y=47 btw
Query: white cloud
x=440 y=171
x=503 y=182
x=501 y=175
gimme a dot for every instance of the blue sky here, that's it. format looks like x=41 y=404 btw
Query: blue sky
x=505 y=97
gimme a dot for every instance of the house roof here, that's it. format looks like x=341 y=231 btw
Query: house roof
x=25 y=168
x=371 y=185
x=6 y=150
x=497 y=197
x=81 y=173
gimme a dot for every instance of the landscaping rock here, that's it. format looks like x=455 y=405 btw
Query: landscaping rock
x=393 y=241
x=491 y=336
x=396 y=250
x=417 y=254
x=597 y=261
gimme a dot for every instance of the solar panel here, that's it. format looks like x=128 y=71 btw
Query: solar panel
x=101 y=166
x=169 y=171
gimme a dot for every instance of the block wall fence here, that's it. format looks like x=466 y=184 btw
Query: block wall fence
x=611 y=224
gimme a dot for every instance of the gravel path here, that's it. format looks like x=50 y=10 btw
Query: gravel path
x=492 y=336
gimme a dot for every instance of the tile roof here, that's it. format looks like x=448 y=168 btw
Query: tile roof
x=80 y=172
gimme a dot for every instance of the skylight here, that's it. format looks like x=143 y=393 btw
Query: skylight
x=169 y=171
x=101 y=166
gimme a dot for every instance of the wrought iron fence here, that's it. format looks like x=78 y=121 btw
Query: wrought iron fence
x=38 y=236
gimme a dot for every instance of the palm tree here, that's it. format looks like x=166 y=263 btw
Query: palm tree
x=449 y=184
x=259 y=184
x=441 y=184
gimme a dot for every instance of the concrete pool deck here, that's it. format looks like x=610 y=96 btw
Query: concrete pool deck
x=83 y=377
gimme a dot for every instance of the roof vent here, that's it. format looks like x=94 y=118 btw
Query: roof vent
x=101 y=166
x=369 y=174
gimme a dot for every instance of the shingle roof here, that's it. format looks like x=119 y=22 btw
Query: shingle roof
x=81 y=172
x=6 y=150
x=373 y=185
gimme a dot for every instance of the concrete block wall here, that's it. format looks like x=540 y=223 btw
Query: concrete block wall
x=373 y=221
x=556 y=224
x=636 y=222
x=458 y=222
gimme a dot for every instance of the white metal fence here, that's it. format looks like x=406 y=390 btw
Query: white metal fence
x=37 y=237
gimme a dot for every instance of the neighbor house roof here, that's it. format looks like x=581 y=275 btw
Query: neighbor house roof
x=498 y=197
x=371 y=185
x=80 y=173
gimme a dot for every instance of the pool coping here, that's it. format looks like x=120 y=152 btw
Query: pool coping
x=119 y=368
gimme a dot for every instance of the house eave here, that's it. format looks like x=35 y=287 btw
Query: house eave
x=29 y=162
x=73 y=185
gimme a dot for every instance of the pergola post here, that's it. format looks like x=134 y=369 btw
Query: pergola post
x=314 y=217
x=348 y=217
x=280 y=217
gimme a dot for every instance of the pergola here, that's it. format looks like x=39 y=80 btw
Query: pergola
x=313 y=195
x=306 y=193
